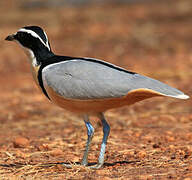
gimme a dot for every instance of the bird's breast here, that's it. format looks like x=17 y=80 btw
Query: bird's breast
x=35 y=70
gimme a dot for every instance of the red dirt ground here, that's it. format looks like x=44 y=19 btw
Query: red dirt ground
x=149 y=140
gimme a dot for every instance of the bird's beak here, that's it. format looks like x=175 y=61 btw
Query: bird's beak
x=10 y=37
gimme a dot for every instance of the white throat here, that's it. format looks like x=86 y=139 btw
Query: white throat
x=31 y=56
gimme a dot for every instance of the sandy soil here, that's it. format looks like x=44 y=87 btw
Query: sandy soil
x=149 y=140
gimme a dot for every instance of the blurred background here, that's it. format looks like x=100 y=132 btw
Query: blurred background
x=150 y=37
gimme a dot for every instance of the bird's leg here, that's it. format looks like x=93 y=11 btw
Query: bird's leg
x=90 y=132
x=106 y=131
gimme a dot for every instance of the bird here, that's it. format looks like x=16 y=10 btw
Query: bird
x=86 y=86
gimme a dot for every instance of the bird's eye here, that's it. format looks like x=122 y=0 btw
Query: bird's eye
x=19 y=35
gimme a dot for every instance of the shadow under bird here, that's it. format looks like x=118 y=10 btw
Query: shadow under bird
x=86 y=86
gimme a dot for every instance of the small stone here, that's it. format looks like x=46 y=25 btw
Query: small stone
x=173 y=156
x=43 y=147
x=20 y=142
x=186 y=155
x=188 y=178
x=56 y=152
x=137 y=134
x=170 y=138
x=142 y=154
x=181 y=152
x=169 y=132
x=156 y=146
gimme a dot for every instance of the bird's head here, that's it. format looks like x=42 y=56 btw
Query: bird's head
x=35 y=42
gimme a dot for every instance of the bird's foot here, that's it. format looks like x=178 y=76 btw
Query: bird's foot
x=70 y=166
x=84 y=162
x=97 y=166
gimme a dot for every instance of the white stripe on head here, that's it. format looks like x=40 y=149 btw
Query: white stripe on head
x=34 y=34
x=47 y=42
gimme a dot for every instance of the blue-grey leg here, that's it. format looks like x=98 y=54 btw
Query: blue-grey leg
x=106 y=131
x=90 y=132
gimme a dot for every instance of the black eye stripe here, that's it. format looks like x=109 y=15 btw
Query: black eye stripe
x=33 y=38
x=21 y=35
x=27 y=40
x=24 y=36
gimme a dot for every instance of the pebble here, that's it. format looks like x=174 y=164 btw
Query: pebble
x=20 y=142
x=43 y=147
x=188 y=178
x=142 y=154
x=56 y=152
x=170 y=138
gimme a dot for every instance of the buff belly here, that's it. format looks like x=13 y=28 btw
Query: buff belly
x=99 y=105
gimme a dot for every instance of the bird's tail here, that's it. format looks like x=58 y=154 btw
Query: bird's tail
x=143 y=82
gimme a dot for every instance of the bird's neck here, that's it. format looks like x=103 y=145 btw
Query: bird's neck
x=38 y=56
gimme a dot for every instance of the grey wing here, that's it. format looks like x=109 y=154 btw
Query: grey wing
x=84 y=79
